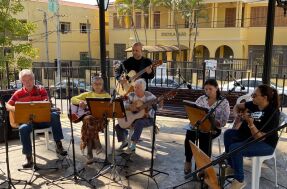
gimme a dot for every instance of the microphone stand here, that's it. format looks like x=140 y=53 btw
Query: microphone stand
x=75 y=176
x=196 y=127
x=8 y=180
x=152 y=172
x=113 y=166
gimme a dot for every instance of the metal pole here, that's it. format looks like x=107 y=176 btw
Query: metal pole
x=46 y=36
x=58 y=44
x=89 y=40
x=268 y=43
x=103 y=41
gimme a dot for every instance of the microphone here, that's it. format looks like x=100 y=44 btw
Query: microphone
x=113 y=96
x=237 y=84
x=188 y=85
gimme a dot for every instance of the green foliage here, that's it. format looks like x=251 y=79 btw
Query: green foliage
x=14 y=45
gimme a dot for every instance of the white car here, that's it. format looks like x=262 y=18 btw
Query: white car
x=171 y=82
x=250 y=84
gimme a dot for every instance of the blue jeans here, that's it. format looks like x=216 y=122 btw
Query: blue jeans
x=232 y=141
x=138 y=126
x=25 y=130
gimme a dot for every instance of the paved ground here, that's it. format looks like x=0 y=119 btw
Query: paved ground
x=170 y=158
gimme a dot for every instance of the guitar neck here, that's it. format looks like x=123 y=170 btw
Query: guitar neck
x=137 y=75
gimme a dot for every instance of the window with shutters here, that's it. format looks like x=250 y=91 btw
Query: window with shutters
x=156 y=19
x=138 y=19
x=230 y=17
x=258 y=16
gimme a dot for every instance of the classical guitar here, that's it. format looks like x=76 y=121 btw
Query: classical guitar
x=124 y=89
x=77 y=113
x=132 y=116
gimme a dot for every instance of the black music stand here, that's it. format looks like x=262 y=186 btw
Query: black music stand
x=75 y=176
x=152 y=172
x=8 y=180
x=39 y=112
x=111 y=109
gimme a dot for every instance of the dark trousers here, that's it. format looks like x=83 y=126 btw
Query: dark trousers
x=203 y=139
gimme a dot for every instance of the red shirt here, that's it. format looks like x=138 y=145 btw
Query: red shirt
x=38 y=93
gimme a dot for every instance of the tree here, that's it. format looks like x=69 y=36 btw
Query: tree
x=191 y=10
x=16 y=51
x=125 y=8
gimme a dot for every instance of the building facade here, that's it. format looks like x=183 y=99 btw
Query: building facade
x=226 y=29
x=76 y=42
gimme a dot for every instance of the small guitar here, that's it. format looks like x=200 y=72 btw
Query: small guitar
x=77 y=113
x=131 y=116
x=124 y=89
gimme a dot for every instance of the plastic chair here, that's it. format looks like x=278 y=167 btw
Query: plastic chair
x=46 y=132
x=258 y=160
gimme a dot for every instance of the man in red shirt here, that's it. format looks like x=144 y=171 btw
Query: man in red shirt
x=30 y=92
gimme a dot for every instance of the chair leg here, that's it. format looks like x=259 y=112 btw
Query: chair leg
x=275 y=170
x=256 y=172
x=47 y=137
x=219 y=145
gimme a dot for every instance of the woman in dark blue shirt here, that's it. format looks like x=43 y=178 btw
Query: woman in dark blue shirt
x=259 y=116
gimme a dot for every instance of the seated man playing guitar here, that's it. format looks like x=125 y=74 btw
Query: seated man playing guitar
x=91 y=126
x=133 y=104
x=30 y=92
x=136 y=63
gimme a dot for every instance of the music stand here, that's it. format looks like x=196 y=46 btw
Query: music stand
x=8 y=180
x=111 y=109
x=201 y=160
x=152 y=172
x=39 y=112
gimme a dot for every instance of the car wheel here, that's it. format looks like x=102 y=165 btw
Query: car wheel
x=283 y=100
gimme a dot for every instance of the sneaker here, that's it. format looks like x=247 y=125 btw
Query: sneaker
x=187 y=168
x=59 y=149
x=90 y=159
x=229 y=172
x=28 y=163
x=237 y=185
x=131 y=149
x=123 y=145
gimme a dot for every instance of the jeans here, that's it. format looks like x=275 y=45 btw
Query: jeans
x=138 y=126
x=26 y=129
x=232 y=141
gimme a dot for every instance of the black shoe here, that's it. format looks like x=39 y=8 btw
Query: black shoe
x=28 y=163
x=60 y=150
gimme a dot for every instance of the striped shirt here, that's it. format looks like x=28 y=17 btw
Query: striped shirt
x=38 y=93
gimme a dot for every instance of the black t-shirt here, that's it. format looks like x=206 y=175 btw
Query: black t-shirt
x=136 y=65
x=261 y=117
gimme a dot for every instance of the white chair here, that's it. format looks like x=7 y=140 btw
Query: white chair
x=258 y=160
x=46 y=132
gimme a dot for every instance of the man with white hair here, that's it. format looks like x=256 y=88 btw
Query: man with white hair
x=133 y=103
x=31 y=92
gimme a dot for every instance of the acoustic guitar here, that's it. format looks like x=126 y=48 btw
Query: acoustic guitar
x=132 y=116
x=124 y=89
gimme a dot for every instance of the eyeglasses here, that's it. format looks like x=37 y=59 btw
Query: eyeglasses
x=254 y=95
x=97 y=84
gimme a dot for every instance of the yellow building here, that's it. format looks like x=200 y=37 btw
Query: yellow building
x=228 y=28
x=74 y=38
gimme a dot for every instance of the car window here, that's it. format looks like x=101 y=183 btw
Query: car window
x=257 y=83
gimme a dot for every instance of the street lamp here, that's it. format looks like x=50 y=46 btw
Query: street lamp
x=282 y=4
x=103 y=6
x=106 y=4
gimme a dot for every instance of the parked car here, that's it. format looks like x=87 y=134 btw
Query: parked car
x=76 y=87
x=250 y=84
x=171 y=82
x=18 y=84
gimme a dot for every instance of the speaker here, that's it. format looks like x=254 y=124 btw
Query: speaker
x=5 y=95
